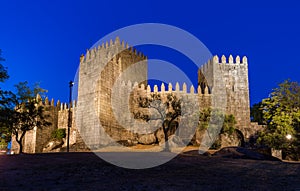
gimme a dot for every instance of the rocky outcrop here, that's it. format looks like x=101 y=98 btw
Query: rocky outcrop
x=239 y=152
x=174 y=141
x=160 y=135
x=230 y=140
x=53 y=146
x=147 y=139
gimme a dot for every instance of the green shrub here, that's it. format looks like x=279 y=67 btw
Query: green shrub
x=59 y=134
x=216 y=145
x=229 y=124
x=3 y=144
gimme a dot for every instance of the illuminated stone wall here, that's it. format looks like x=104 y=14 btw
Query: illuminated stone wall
x=104 y=76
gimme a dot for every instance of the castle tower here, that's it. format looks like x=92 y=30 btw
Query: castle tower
x=99 y=71
x=221 y=82
x=232 y=76
x=35 y=139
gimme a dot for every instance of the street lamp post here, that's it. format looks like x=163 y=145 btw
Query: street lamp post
x=288 y=150
x=70 y=115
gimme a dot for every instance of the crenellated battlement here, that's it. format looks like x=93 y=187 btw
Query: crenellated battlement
x=108 y=49
x=224 y=62
x=60 y=106
x=100 y=89
x=177 y=88
x=229 y=60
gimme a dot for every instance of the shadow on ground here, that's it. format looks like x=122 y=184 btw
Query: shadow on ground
x=187 y=171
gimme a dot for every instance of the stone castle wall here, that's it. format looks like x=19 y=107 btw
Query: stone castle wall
x=99 y=70
x=37 y=138
x=107 y=86
x=229 y=79
x=191 y=100
x=43 y=135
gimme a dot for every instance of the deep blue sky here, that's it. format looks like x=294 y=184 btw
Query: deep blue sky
x=42 y=40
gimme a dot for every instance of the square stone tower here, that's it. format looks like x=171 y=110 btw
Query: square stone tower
x=99 y=70
x=227 y=79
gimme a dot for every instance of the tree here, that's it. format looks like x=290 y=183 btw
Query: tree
x=22 y=111
x=228 y=124
x=19 y=112
x=256 y=113
x=169 y=110
x=210 y=120
x=3 y=70
x=281 y=113
x=206 y=114
x=4 y=133
x=7 y=115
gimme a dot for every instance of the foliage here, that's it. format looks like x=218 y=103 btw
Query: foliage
x=168 y=110
x=59 y=134
x=204 y=118
x=214 y=117
x=21 y=112
x=3 y=144
x=256 y=113
x=4 y=132
x=3 y=70
x=217 y=144
x=228 y=124
x=281 y=113
x=210 y=120
x=25 y=92
x=7 y=114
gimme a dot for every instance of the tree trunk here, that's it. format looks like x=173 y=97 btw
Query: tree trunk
x=167 y=147
x=19 y=141
x=20 y=147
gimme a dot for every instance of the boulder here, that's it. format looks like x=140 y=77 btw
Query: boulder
x=160 y=135
x=127 y=143
x=197 y=139
x=147 y=139
x=143 y=127
x=155 y=124
x=53 y=145
x=243 y=153
x=230 y=140
x=151 y=112
x=174 y=141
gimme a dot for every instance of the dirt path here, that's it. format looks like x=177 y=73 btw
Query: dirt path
x=189 y=171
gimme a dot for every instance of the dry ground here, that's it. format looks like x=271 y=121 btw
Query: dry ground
x=188 y=171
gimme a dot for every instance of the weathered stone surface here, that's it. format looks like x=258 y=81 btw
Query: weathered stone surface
x=276 y=153
x=54 y=144
x=159 y=134
x=96 y=121
x=147 y=139
x=153 y=113
x=239 y=152
x=174 y=141
x=198 y=137
x=155 y=124
x=127 y=143
x=230 y=140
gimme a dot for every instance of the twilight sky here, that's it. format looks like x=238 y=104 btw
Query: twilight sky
x=42 y=40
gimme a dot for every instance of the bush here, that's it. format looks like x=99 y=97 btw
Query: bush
x=216 y=145
x=3 y=143
x=59 y=134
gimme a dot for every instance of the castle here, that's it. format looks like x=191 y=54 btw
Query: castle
x=100 y=89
